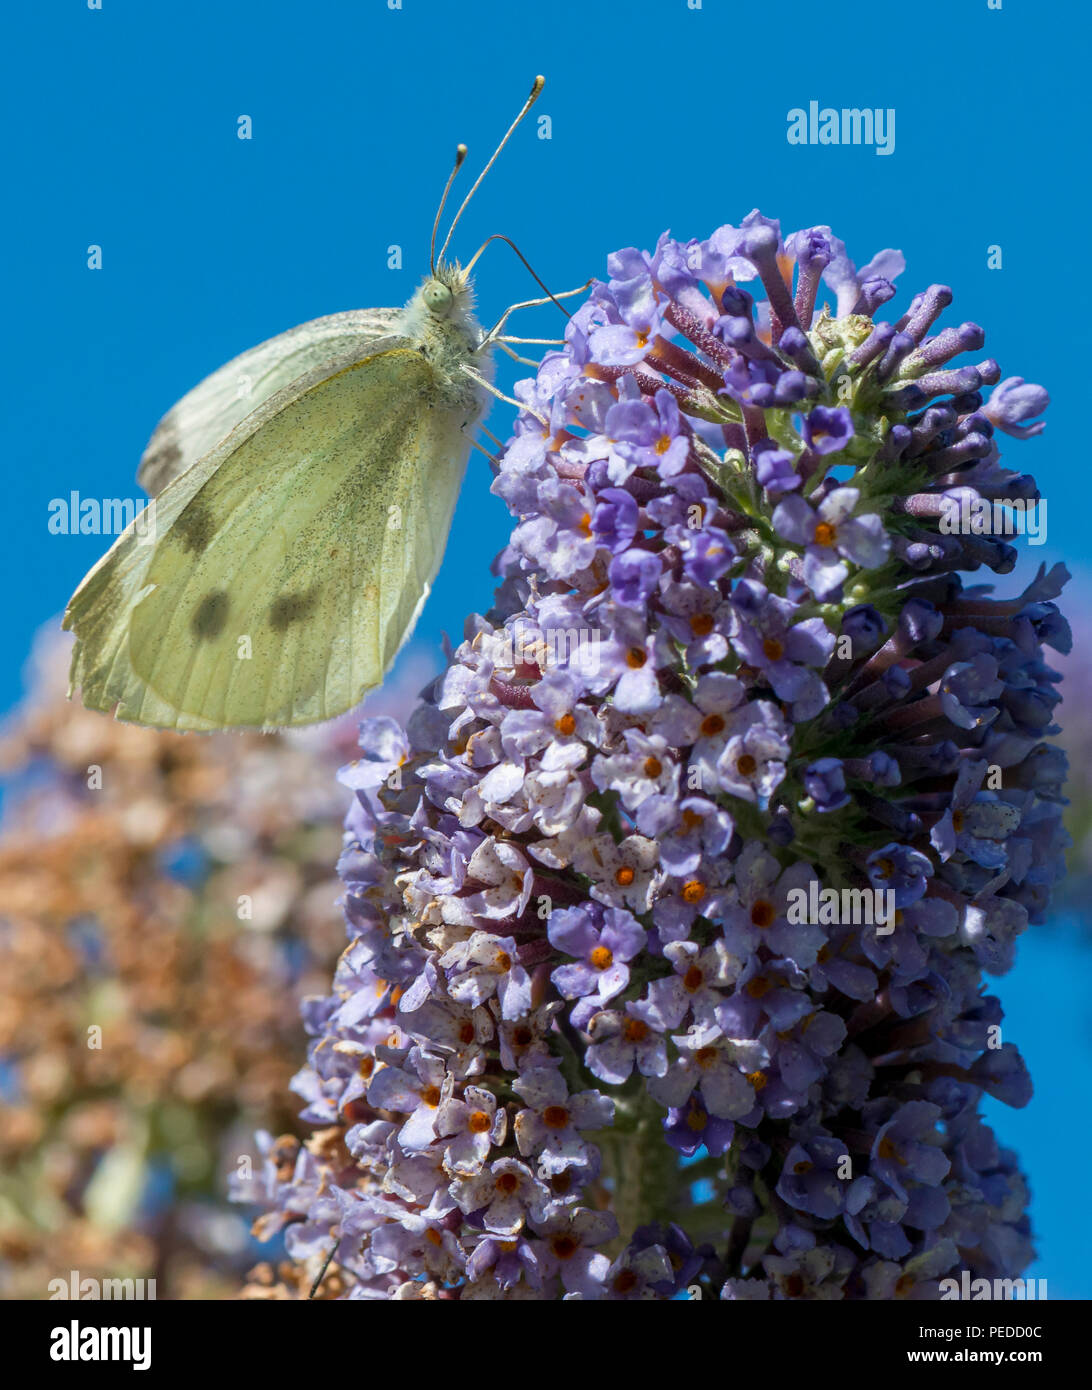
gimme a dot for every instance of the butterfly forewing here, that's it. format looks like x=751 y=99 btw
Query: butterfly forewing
x=208 y=413
x=278 y=596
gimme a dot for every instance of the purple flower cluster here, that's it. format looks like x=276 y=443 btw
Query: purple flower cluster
x=732 y=665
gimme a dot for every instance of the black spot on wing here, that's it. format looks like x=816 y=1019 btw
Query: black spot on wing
x=194 y=526
x=160 y=464
x=211 y=616
x=292 y=608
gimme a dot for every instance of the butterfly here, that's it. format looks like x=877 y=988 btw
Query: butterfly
x=303 y=495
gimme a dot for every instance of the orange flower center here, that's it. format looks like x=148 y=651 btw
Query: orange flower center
x=746 y=765
x=693 y=892
x=653 y=767
x=773 y=649
x=693 y=979
x=466 y=1032
x=503 y=961
x=564 y=1247
x=757 y=1079
x=478 y=1122
x=431 y=1096
x=705 y=1057
x=555 y=1117
x=762 y=914
x=701 y=624
x=507 y=1183
x=602 y=957
x=691 y=820
x=636 y=658
x=566 y=725
x=636 y=1030
x=624 y=876
x=825 y=534
x=712 y=725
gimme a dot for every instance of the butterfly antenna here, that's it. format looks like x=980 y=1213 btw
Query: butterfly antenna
x=460 y=155
x=536 y=88
x=499 y=236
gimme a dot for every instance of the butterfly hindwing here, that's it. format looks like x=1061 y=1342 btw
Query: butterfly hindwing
x=290 y=561
x=208 y=413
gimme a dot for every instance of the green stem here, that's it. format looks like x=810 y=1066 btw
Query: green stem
x=646 y=1181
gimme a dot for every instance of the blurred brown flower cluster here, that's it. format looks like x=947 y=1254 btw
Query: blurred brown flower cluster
x=165 y=901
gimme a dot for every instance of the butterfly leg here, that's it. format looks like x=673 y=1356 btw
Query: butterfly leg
x=527 y=304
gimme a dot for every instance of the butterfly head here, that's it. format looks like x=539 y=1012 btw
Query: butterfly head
x=448 y=293
x=440 y=319
x=444 y=306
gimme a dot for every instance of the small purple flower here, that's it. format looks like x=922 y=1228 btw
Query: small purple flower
x=903 y=871
x=549 y=1128
x=968 y=690
x=601 y=950
x=830 y=533
x=501 y=1196
x=908 y=1147
x=1013 y=405
x=828 y=429
x=766 y=637
x=775 y=469
x=634 y=575
x=751 y=764
x=415 y=1089
x=825 y=783
x=471 y=1125
x=625 y=343
x=614 y=522
x=622 y=1041
x=690 y=1127
x=486 y=965
x=570 y=1240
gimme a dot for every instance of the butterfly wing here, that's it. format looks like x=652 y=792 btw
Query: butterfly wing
x=208 y=413
x=290 y=562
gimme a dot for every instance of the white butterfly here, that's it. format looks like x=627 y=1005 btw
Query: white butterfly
x=304 y=494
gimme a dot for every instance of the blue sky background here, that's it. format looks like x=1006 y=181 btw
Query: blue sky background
x=121 y=132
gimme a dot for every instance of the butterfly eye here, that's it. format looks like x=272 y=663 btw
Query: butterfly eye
x=438 y=298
